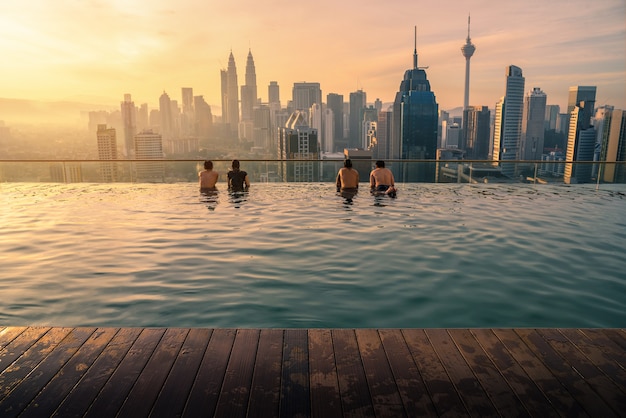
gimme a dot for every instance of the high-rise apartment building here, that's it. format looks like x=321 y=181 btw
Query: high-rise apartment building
x=508 y=123
x=249 y=90
x=468 y=50
x=129 y=121
x=149 y=146
x=107 y=151
x=358 y=101
x=533 y=125
x=476 y=130
x=328 y=128
x=298 y=141
x=415 y=125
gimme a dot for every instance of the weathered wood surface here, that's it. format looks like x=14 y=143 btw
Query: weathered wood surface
x=135 y=372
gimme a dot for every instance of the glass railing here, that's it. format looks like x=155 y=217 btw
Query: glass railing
x=305 y=170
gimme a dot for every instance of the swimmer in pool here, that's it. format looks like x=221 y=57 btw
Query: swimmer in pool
x=347 y=180
x=382 y=181
x=208 y=178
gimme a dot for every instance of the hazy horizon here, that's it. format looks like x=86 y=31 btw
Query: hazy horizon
x=95 y=52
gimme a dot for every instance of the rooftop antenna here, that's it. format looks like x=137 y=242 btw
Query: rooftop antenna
x=415 y=67
x=415 y=50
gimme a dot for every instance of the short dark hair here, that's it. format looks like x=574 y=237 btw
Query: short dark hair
x=347 y=163
x=380 y=164
x=208 y=165
x=235 y=164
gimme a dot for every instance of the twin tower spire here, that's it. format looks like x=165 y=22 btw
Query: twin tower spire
x=230 y=92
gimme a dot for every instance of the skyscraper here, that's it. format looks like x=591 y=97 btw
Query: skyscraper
x=578 y=94
x=230 y=100
x=129 y=121
x=476 y=129
x=467 y=50
x=107 y=150
x=533 y=125
x=149 y=146
x=249 y=90
x=508 y=133
x=273 y=93
x=614 y=146
x=358 y=100
x=167 y=122
x=335 y=103
x=581 y=136
x=188 y=118
x=305 y=95
x=415 y=119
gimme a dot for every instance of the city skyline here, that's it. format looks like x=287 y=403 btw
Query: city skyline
x=99 y=51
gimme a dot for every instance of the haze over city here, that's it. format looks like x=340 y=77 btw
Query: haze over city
x=96 y=51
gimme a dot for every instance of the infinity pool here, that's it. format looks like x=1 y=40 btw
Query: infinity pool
x=297 y=255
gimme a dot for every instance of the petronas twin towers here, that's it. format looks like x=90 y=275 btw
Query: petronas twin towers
x=230 y=92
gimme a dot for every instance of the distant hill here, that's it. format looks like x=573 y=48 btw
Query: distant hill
x=19 y=111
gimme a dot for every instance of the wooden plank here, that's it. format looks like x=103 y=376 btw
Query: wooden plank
x=411 y=387
x=495 y=386
x=265 y=390
x=295 y=398
x=582 y=392
x=25 y=362
x=148 y=385
x=540 y=374
x=443 y=393
x=383 y=390
x=355 y=394
x=617 y=336
x=325 y=399
x=611 y=348
x=49 y=398
x=173 y=396
x=234 y=396
x=83 y=394
x=206 y=389
x=8 y=334
x=24 y=392
x=18 y=346
x=594 y=377
x=597 y=355
x=116 y=389
x=470 y=390
x=533 y=399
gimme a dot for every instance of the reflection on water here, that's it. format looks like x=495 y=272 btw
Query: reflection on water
x=301 y=255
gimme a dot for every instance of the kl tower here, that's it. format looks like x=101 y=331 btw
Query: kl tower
x=467 y=50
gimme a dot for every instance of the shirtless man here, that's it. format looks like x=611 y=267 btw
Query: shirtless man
x=348 y=178
x=208 y=178
x=381 y=180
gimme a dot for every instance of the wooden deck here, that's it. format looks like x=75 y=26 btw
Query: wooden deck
x=168 y=372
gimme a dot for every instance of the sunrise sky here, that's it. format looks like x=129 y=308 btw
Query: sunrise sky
x=98 y=50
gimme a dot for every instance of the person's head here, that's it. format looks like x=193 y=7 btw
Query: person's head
x=347 y=163
x=380 y=164
x=208 y=165
x=235 y=165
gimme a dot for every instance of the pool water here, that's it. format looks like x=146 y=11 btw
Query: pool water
x=298 y=255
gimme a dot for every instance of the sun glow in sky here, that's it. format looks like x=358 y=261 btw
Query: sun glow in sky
x=98 y=50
